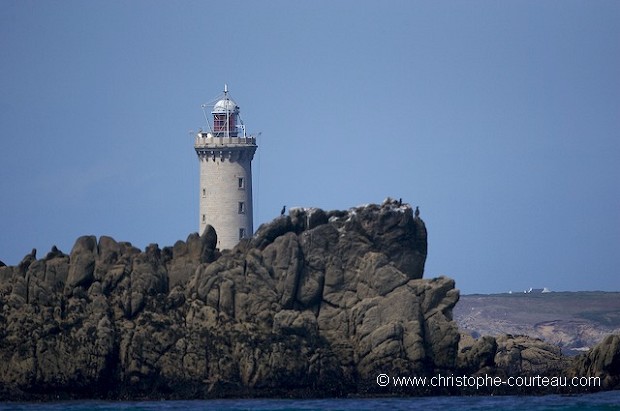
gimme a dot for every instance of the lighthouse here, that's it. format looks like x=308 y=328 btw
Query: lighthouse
x=225 y=155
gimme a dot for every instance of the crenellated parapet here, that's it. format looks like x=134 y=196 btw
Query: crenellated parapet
x=210 y=140
x=233 y=149
x=231 y=154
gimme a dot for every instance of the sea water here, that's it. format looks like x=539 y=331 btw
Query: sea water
x=601 y=401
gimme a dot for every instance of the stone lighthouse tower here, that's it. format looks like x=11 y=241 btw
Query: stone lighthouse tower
x=225 y=154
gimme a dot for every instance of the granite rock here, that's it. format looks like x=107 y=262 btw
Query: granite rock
x=315 y=304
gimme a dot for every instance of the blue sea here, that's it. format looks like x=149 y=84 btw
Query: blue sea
x=601 y=401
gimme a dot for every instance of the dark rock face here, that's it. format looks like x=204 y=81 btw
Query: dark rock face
x=602 y=361
x=522 y=356
x=316 y=303
x=508 y=355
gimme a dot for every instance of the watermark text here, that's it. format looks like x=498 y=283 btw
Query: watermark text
x=486 y=381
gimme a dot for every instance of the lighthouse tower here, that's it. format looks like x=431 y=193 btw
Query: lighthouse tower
x=225 y=154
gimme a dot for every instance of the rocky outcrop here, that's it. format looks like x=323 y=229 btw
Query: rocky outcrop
x=508 y=355
x=316 y=303
x=602 y=361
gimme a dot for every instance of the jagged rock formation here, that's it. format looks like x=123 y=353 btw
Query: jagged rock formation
x=522 y=356
x=602 y=361
x=316 y=303
x=507 y=355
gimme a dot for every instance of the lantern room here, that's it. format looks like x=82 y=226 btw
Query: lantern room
x=225 y=113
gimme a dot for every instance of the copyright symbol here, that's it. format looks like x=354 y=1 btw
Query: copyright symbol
x=383 y=380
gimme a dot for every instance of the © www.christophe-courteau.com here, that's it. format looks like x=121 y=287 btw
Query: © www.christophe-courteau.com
x=486 y=381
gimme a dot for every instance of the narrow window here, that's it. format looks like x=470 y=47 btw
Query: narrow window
x=241 y=207
x=204 y=193
x=240 y=183
x=204 y=218
x=241 y=233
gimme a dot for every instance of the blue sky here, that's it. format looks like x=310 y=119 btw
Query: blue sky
x=500 y=120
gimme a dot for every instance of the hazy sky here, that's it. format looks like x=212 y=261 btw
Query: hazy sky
x=499 y=119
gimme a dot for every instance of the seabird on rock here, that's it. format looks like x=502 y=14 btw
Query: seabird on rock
x=283 y=210
x=417 y=211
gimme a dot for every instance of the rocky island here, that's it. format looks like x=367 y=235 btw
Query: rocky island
x=316 y=303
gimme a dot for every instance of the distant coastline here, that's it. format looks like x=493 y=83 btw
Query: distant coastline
x=573 y=320
x=551 y=292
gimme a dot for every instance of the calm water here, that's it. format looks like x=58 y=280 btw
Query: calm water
x=600 y=401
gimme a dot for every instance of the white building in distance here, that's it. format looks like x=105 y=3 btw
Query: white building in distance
x=225 y=155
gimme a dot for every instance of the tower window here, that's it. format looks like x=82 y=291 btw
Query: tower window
x=204 y=193
x=241 y=207
x=241 y=233
x=240 y=182
x=204 y=218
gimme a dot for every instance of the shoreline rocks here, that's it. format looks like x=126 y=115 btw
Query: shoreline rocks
x=315 y=304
